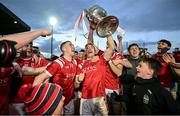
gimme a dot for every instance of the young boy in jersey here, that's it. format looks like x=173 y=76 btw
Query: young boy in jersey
x=92 y=77
x=63 y=71
x=148 y=96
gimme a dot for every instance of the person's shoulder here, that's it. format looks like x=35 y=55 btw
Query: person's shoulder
x=161 y=90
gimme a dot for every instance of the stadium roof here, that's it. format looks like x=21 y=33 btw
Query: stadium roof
x=10 y=23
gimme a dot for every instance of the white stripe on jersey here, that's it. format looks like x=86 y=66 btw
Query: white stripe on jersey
x=74 y=62
x=60 y=62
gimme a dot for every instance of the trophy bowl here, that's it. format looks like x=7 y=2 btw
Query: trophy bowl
x=106 y=25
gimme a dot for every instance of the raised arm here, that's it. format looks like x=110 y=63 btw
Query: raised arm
x=26 y=37
x=92 y=27
x=110 y=50
x=120 y=48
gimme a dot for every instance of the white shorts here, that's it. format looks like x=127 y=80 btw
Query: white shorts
x=69 y=108
x=94 y=106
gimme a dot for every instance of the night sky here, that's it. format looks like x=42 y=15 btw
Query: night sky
x=145 y=21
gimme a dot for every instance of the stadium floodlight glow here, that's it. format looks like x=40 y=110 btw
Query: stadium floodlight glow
x=53 y=21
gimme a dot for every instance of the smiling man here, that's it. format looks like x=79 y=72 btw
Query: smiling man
x=63 y=71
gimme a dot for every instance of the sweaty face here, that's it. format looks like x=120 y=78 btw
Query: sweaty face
x=134 y=51
x=69 y=48
x=144 y=71
x=162 y=47
x=90 y=51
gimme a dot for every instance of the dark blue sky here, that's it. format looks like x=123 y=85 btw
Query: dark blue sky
x=143 y=20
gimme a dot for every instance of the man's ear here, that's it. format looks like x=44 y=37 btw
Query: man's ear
x=151 y=72
x=63 y=48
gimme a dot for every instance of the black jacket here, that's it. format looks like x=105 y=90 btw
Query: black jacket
x=149 y=97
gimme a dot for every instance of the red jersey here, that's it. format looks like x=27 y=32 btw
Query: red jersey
x=177 y=57
x=63 y=72
x=41 y=62
x=93 y=83
x=5 y=85
x=111 y=80
x=166 y=72
x=100 y=52
x=27 y=62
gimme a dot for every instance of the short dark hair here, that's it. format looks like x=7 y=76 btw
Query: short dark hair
x=53 y=57
x=154 y=64
x=35 y=50
x=35 y=47
x=75 y=51
x=133 y=44
x=82 y=50
x=165 y=41
x=62 y=44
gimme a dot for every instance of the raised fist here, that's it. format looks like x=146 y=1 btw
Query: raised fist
x=45 y=32
x=92 y=25
x=119 y=37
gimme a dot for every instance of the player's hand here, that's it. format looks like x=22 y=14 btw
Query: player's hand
x=45 y=32
x=18 y=68
x=92 y=25
x=119 y=37
x=168 y=58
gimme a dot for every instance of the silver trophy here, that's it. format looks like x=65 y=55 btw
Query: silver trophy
x=106 y=25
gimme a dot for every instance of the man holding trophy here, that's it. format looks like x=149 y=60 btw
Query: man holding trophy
x=93 y=69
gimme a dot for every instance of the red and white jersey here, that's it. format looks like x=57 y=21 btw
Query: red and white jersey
x=27 y=62
x=93 y=83
x=63 y=72
x=41 y=62
x=5 y=85
x=111 y=80
x=100 y=52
